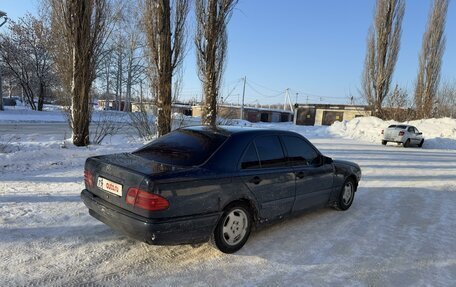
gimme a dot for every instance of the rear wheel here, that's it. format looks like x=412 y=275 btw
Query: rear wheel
x=233 y=229
x=347 y=194
x=421 y=143
x=384 y=142
x=407 y=143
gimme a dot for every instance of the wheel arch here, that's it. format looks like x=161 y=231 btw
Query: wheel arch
x=355 y=180
x=248 y=202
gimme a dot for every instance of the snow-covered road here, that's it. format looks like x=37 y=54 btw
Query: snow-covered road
x=400 y=231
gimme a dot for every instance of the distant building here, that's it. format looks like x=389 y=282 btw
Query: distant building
x=152 y=109
x=318 y=114
x=250 y=114
x=112 y=105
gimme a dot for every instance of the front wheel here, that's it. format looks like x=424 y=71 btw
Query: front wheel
x=421 y=143
x=347 y=194
x=384 y=142
x=233 y=229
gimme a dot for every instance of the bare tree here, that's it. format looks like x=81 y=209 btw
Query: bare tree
x=398 y=106
x=383 y=46
x=165 y=32
x=3 y=19
x=83 y=25
x=445 y=105
x=24 y=51
x=430 y=60
x=211 y=42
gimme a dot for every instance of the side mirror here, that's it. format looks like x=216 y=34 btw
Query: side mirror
x=327 y=160
x=419 y=134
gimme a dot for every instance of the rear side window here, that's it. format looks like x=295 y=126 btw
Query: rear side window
x=300 y=152
x=270 y=151
x=250 y=159
x=183 y=147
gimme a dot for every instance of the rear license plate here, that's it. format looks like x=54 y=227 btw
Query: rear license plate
x=109 y=186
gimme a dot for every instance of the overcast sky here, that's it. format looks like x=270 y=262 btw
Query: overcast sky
x=315 y=48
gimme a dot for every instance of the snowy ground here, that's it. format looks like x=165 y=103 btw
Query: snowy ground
x=400 y=231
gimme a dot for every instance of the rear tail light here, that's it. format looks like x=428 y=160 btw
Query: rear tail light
x=401 y=133
x=145 y=200
x=88 y=178
x=383 y=131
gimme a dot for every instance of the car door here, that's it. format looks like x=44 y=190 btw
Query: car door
x=414 y=137
x=418 y=135
x=411 y=135
x=314 y=175
x=265 y=172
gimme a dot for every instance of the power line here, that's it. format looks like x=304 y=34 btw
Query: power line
x=264 y=87
x=263 y=95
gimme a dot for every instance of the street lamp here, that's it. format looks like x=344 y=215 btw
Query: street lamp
x=2 y=16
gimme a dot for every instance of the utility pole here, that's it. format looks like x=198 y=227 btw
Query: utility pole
x=2 y=15
x=286 y=99
x=243 y=97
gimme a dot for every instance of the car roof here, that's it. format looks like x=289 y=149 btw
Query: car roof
x=230 y=130
x=400 y=125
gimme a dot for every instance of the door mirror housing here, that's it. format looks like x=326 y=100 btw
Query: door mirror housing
x=419 y=134
x=327 y=160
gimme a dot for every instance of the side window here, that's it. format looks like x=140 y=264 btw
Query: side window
x=300 y=152
x=270 y=152
x=250 y=159
x=410 y=129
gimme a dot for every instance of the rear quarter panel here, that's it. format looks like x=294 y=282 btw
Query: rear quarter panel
x=201 y=193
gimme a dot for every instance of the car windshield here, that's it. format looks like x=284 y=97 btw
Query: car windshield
x=183 y=147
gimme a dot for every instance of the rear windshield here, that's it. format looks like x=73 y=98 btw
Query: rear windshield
x=398 y=126
x=183 y=147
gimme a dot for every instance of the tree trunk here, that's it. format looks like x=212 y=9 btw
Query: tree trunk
x=41 y=97
x=164 y=71
x=80 y=112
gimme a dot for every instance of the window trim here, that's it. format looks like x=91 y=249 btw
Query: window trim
x=252 y=141
x=245 y=152
x=305 y=140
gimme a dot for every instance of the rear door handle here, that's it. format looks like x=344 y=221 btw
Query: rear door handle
x=300 y=174
x=255 y=180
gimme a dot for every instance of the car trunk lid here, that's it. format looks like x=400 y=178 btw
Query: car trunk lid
x=113 y=175
x=393 y=132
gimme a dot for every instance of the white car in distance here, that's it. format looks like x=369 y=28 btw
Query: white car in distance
x=403 y=134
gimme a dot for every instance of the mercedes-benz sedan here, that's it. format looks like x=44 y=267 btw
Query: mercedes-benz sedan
x=199 y=184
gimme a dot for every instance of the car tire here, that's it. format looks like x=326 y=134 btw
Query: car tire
x=407 y=143
x=347 y=195
x=421 y=143
x=233 y=228
x=384 y=142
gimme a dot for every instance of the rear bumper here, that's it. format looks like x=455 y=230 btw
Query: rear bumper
x=184 y=230
x=395 y=139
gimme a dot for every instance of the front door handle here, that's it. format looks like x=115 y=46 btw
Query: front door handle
x=255 y=180
x=300 y=174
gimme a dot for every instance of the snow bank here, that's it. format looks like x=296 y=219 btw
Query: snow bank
x=25 y=115
x=438 y=133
